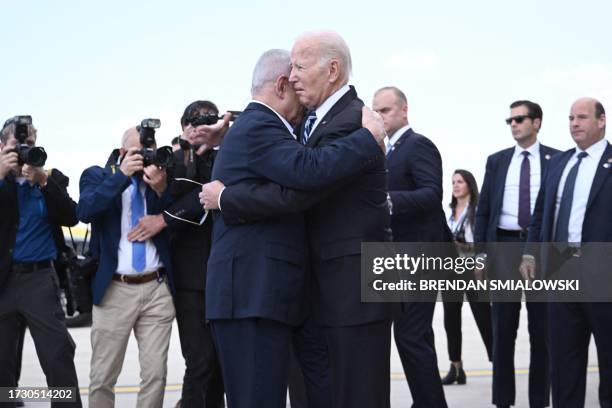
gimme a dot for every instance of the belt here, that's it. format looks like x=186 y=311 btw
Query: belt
x=522 y=234
x=27 y=267
x=138 y=279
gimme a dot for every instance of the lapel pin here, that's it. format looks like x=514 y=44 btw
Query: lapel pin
x=606 y=165
x=547 y=157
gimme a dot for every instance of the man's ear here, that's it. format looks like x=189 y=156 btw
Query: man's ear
x=334 y=70
x=537 y=123
x=280 y=86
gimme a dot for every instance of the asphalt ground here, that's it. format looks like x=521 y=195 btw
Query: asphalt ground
x=475 y=394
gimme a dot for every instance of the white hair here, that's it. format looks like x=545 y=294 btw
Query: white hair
x=330 y=45
x=272 y=64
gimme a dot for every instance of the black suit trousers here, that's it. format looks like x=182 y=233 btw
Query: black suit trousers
x=505 y=318
x=414 y=338
x=254 y=358
x=360 y=364
x=34 y=298
x=202 y=382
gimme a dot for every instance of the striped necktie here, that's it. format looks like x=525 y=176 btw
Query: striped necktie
x=310 y=120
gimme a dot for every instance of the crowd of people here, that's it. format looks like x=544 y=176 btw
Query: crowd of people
x=252 y=241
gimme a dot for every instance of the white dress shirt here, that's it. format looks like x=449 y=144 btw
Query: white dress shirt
x=325 y=107
x=508 y=218
x=124 y=264
x=582 y=188
x=391 y=140
x=454 y=225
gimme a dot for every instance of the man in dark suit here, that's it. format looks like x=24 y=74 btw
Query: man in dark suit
x=573 y=212
x=509 y=190
x=35 y=205
x=257 y=272
x=131 y=286
x=415 y=200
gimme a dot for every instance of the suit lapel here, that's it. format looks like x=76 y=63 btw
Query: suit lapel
x=339 y=106
x=502 y=175
x=404 y=137
x=544 y=158
x=601 y=174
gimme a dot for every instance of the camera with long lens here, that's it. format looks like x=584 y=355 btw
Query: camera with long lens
x=160 y=157
x=32 y=155
x=206 y=119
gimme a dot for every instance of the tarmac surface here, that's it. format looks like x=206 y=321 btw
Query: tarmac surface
x=475 y=394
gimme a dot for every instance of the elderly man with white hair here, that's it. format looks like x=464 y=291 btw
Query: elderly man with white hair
x=258 y=272
x=357 y=334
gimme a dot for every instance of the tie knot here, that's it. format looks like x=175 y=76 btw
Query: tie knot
x=312 y=116
x=525 y=153
x=582 y=155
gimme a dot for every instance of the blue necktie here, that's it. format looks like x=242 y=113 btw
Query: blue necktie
x=565 y=208
x=139 y=254
x=524 y=210
x=310 y=120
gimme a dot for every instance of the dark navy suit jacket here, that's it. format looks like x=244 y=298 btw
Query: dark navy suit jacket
x=260 y=269
x=597 y=225
x=100 y=205
x=415 y=188
x=492 y=192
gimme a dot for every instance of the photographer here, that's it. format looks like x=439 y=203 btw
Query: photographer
x=202 y=384
x=131 y=285
x=36 y=205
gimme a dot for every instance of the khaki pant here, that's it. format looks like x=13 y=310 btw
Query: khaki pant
x=148 y=309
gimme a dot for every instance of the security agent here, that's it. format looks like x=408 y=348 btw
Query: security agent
x=36 y=205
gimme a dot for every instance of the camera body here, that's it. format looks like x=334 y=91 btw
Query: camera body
x=32 y=155
x=206 y=119
x=161 y=157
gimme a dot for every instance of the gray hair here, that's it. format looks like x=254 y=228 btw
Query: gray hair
x=272 y=64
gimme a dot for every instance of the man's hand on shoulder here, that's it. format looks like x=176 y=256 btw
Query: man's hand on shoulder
x=373 y=122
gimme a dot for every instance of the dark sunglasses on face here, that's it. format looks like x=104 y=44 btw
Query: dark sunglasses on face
x=519 y=119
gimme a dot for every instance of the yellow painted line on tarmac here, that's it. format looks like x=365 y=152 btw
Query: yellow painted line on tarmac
x=394 y=377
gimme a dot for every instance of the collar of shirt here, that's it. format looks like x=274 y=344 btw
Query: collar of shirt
x=326 y=106
x=534 y=150
x=287 y=124
x=391 y=140
x=594 y=151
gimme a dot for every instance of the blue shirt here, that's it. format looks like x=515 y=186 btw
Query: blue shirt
x=34 y=241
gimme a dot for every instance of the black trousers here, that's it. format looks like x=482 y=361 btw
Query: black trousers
x=505 y=319
x=254 y=358
x=414 y=338
x=571 y=326
x=202 y=382
x=33 y=298
x=360 y=365
x=310 y=378
x=452 y=323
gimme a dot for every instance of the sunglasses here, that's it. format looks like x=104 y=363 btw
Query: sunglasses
x=518 y=119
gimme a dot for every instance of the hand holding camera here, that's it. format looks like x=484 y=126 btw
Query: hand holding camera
x=207 y=131
x=132 y=162
x=35 y=175
x=156 y=178
x=9 y=160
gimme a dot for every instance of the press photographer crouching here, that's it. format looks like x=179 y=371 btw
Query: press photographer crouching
x=35 y=205
x=131 y=287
